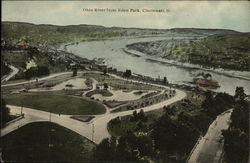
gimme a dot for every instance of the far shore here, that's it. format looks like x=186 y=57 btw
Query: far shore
x=228 y=73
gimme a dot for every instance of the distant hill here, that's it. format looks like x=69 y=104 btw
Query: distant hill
x=44 y=34
x=230 y=51
x=203 y=31
x=52 y=34
x=14 y=32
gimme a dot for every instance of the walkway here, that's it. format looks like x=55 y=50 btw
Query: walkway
x=210 y=147
x=83 y=128
x=13 y=72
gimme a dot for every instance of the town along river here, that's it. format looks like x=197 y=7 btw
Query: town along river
x=116 y=57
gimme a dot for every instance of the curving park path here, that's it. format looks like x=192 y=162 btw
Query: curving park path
x=100 y=122
x=210 y=147
x=97 y=124
x=13 y=72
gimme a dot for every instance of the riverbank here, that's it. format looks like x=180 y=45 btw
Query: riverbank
x=226 y=51
x=245 y=75
x=112 y=51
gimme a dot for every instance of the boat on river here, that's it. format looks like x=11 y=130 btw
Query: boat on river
x=213 y=84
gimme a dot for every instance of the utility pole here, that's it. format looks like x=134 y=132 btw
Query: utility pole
x=93 y=131
x=49 y=116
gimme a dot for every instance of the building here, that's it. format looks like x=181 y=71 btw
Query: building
x=22 y=45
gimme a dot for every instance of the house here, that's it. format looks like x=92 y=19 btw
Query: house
x=204 y=82
x=22 y=45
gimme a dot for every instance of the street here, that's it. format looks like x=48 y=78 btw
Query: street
x=210 y=147
x=83 y=128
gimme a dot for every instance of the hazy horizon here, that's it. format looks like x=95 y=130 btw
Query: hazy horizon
x=123 y=27
x=182 y=14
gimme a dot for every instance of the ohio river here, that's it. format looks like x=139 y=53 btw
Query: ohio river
x=112 y=51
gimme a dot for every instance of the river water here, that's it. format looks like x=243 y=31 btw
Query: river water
x=112 y=51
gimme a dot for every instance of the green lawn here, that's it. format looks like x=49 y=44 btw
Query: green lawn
x=45 y=142
x=56 y=103
x=121 y=128
x=120 y=84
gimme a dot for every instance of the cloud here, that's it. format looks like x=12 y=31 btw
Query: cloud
x=200 y=14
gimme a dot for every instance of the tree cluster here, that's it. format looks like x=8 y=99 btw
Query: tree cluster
x=138 y=116
x=4 y=110
x=126 y=148
x=127 y=73
x=214 y=105
x=236 y=138
x=36 y=72
x=173 y=136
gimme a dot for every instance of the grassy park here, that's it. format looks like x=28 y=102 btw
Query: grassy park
x=181 y=123
x=120 y=84
x=193 y=102
x=60 y=104
x=45 y=142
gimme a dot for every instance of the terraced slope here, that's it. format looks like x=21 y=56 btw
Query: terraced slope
x=229 y=51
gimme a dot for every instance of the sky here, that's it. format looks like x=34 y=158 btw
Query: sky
x=179 y=14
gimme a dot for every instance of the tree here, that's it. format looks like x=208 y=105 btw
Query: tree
x=36 y=72
x=170 y=135
x=33 y=51
x=134 y=117
x=165 y=80
x=105 y=71
x=236 y=145
x=115 y=121
x=43 y=70
x=127 y=73
x=169 y=110
x=74 y=71
x=30 y=72
x=144 y=145
x=218 y=104
x=4 y=113
x=104 y=151
x=240 y=116
x=110 y=151
x=142 y=116
x=239 y=94
x=4 y=66
x=208 y=102
x=105 y=85
x=236 y=138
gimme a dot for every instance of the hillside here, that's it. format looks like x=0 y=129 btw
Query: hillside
x=13 y=32
x=229 y=51
x=203 y=31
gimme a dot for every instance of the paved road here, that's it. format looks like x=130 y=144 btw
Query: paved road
x=13 y=72
x=210 y=147
x=100 y=123
x=85 y=129
x=33 y=115
x=40 y=79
